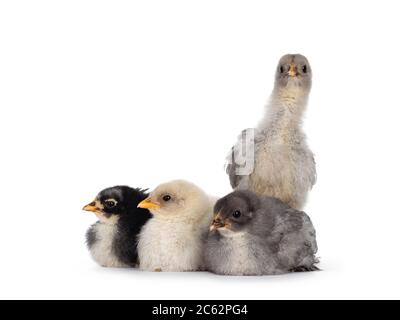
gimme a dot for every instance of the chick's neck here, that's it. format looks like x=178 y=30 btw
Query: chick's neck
x=285 y=112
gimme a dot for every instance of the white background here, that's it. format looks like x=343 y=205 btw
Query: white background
x=99 y=93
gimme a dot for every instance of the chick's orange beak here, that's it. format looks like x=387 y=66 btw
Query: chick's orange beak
x=293 y=70
x=148 y=204
x=217 y=224
x=91 y=207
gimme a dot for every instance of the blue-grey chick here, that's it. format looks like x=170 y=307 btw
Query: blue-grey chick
x=258 y=235
x=280 y=165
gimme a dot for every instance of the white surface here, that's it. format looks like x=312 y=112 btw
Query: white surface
x=98 y=93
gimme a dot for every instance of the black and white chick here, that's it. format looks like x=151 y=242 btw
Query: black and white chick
x=259 y=235
x=112 y=241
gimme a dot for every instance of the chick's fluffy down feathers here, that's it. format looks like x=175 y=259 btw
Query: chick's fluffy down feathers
x=174 y=241
x=281 y=164
x=112 y=241
x=278 y=240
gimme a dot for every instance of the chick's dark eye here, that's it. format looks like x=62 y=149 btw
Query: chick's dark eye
x=281 y=69
x=167 y=198
x=237 y=214
x=109 y=204
x=305 y=69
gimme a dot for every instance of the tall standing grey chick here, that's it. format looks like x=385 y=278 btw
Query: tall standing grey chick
x=258 y=235
x=281 y=166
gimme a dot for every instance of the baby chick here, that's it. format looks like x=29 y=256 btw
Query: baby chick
x=258 y=235
x=173 y=240
x=112 y=241
x=280 y=165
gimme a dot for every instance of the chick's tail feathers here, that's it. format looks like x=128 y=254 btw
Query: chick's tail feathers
x=306 y=269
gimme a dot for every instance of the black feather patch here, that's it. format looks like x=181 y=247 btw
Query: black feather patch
x=305 y=269
x=91 y=237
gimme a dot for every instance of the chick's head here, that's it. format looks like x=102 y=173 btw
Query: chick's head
x=113 y=202
x=234 y=213
x=177 y=198
x=294 y=70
